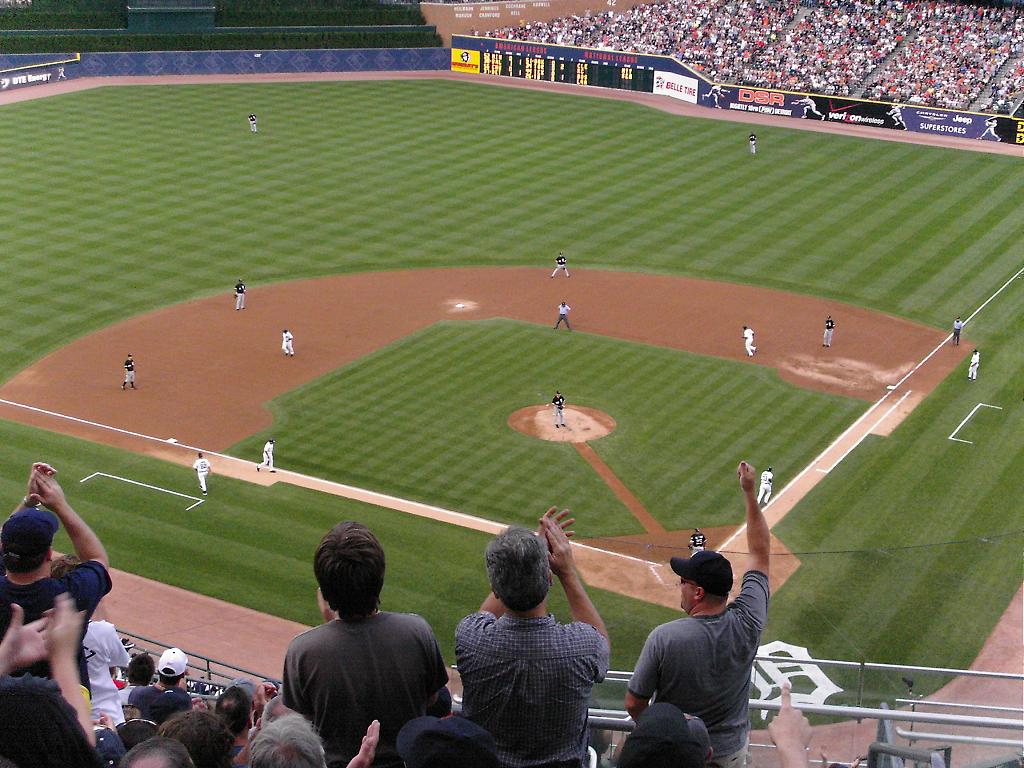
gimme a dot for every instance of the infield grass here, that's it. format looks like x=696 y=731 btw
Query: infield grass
x=121 y=200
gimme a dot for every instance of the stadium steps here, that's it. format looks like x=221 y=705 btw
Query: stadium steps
x=1002 y=72
x=862 y=86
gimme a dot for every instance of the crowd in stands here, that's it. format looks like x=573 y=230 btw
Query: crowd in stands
x=368 y=687
x=942 y=54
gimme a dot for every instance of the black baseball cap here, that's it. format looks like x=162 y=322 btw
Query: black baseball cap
x=707 y=569
x=666 y=738
x=431 y=742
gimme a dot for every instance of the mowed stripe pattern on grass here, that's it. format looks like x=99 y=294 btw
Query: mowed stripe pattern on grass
x=426 y=418
x=129 y=198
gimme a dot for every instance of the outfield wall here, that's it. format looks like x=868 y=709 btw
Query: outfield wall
x=674 y=79
x=28 y=69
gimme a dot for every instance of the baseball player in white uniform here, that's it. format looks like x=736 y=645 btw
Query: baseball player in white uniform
x=252 y=122
x=202 y=468
x=748 y=341
x=268 y=456
x=764 y=493
x=972 y=370
x=286 y=343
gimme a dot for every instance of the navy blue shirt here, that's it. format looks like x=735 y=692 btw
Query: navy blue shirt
x=87 y=584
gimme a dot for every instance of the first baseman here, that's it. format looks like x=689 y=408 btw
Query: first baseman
x=972 y=370
x=286 y=343
x=764 y=493
x=559 y=402
x=129 y=373
x=748 y=341
x=202 y=468
x=268 y=456
x=239 y=295
x=560 y=264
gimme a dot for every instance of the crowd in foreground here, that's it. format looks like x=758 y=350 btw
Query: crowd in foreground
x=368 y=686
x=942 y=53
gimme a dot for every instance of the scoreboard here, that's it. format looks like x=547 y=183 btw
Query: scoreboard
x=629 y=77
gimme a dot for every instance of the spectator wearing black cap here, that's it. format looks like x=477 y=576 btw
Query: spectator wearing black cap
x=664 y=737
x=26 y=540
x=167 y=695
x=703 y=664
x=431 y=742
x=526 y=678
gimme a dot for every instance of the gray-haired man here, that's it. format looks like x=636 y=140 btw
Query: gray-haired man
x=525 y=677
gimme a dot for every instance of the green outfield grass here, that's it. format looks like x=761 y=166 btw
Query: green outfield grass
x=400 y=422
x=126 y=199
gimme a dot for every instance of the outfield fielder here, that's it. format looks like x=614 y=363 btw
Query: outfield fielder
x=286 y=343
x=765 y=491
x=268 y=456
x=202 y=468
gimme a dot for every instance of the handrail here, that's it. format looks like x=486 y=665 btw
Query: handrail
x=956 y=705
x=952 y=737
x=207 y=667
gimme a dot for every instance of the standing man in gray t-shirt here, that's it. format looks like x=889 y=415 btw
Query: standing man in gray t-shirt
x=703 y=664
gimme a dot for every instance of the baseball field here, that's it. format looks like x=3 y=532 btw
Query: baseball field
x=363 y=213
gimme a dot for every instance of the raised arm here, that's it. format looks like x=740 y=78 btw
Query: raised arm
x=759 y=540
x=563 y=565
x=44 y=489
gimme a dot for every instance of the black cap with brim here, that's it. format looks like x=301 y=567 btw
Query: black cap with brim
x=666 y=738
x=430 y=742
x=707 y=569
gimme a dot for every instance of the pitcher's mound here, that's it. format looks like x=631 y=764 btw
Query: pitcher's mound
x=581 y=424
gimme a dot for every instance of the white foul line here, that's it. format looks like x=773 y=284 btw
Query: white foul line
x=146 y=485
x=868 y=412
x=973 y=411
x=874 y=426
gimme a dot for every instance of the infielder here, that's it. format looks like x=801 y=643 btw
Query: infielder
x=560 y=264
x=697 y=541
x=286 y=343
x=830 y=326
x=252 y=122
x=748 y=341
x=563 y=315
x=239 y=295
x=202 y=468
x=558 y=401
x=972 y=370
x=958 y=325
x=765 y=491
x=753 y=143
x=129 y=373
x=268 y=456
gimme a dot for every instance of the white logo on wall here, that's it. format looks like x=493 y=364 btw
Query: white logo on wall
x=676 y=86
x=768 y=676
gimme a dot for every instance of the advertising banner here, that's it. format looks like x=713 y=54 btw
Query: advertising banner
x=35 y=70
x=676 y=86
x=465 y=61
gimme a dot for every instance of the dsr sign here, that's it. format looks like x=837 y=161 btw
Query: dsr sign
x=767 y=98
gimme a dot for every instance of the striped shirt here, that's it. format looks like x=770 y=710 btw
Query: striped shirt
x=528 y=682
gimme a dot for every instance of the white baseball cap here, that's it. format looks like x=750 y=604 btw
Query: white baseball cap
x=173 y=662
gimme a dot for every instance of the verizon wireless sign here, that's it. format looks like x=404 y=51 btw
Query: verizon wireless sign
x=676 y=86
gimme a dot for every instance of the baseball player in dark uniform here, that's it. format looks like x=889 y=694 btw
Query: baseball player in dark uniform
x=830 y=326
x=752 y=140
x=239 y=295
x=252 y=122
x=558 y=401
x=697 y=541
x=129 y=373
x=560 y=264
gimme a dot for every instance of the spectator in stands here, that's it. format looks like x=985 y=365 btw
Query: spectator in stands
x=158 y=752
x=135 y=731
x=393 y=666
x=234 y=707
x=45 y=723
x=26 y=540
x=167 y=695
x=703 y=664
x=525 y=677
x=204 y=735
x=664 y=737
x=141 y=669
x=431 y=742
x=104 y=653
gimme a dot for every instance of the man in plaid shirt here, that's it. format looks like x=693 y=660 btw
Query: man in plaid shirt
x=525 y=677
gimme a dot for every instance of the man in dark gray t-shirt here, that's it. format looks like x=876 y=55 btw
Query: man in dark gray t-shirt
x=703 y=664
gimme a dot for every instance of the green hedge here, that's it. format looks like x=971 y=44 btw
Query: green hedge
x=426 y=38
x=30 y=18
x=335 y=17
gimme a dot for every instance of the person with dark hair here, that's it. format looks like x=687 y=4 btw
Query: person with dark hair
x=664 y=737
x=141 y=669
x=234 y=707
x=204 y=735
x=167 y=695
x=158 y=752
x=136 y=731
x=392 y=666
x=703 y=664
x=526 y=678
x=431 y=742
x=26 y=540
